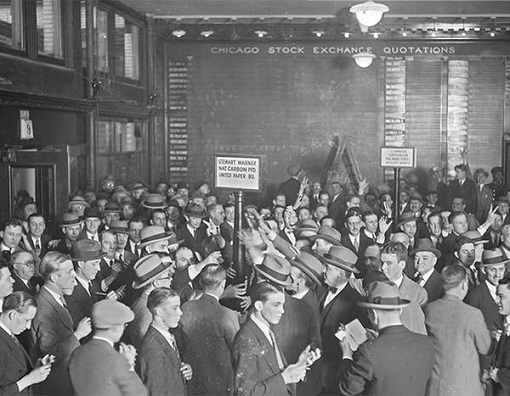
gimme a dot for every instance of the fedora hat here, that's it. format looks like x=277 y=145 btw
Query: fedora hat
x=92 y=212
x=182 y=184
x=493 y=257
x=276 y=269
x=425 y=245
x=111 y=207
x=70 y=219
x=195 y=210
x=293 y=170
x=307 y=226
x=341 y=257
x=475 y=237
x=127 y=201
x=416 y=197
x=78 y=200
x=406 y=217
x=152 y=234
x=119 y=227
x=148 y=269
x=328 y=234
x=384 y=295
x=154 y=201
x=139 y=186
x=310 y=265
x=86 y=250
x=108 y=313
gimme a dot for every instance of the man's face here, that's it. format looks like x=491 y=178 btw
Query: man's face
x=218 y=215
x=373 y=258
x=122 y=240
x=183 y=258
x=109 y=244
x=28 y=210
x=432 y=199
x=316 y=187
x=183 y=192
x=354 y=202
x=460 y=224
x=172 y=213
x=230 y=213
x=170 y=312
x=65 y=278
x=371 y=223
x=333 y=276
x=458 y=205
x=24 y=266
x=100 y=204
x=480 y=178
x=195 y=222
x=415 y=205
x=279 y=200
x=498 y=177
x=272 y=309
x=391 y=267
x=36 y=225
x=290 y=218
x=503 y=208
x=92 y=224
x=111 y=216
x=77 y=209
x=6 y=282
x=494 y=273
x=503 y=294
x=386 y=201
x=160 y=246
x=128 y=211
x=162 y=188
x=424 y=262
x=320 y=212
x=89 y=269
x=134 y=231
x=304 y=214
x=497 y=223
x=11 y=237
x=460 y=174
x=22 y=321
x=159 y=219
x=297 y=279
x=353 y=224
x=409 y=228
x=72 y=232
x=321 y=246
x=278 y=214
x=434 y=223
x=324 y=199
x=466 y=254
x=90 y=197
x=404 y=197
x=138 y=193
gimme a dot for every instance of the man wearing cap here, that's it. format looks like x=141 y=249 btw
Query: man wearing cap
x=290 y=187
x=173 y=215
x=425 y=258
x=77 y=206
x=397 y=362
x=338 y=305
x=138 y=191
x=52 y=329
x=96 y=368
x=209 y=330
x=128 y=207
x=459 y=334
x=111 y=212
x=71 y=227
x=86 y=255
x=92 y=224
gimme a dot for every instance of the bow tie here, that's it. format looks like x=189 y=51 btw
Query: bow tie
x=332 y=290
x=418 y=278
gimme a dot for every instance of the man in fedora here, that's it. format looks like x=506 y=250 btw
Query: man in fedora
x=459 y=334
x=86 y=256
x=326 y=238
x=397 y=362
x=111 y=212
x=71 y=227
x=425 y=258
x=96 y=368
x=77 y=205
x=154 y=239
x=92 y=223
x=338 y=305
x=194 y=231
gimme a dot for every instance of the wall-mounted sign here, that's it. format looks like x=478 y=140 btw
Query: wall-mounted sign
x=26 y=131
x=398 y=157
x=237 y=172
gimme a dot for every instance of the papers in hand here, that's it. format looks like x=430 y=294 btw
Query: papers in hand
x=355 y=334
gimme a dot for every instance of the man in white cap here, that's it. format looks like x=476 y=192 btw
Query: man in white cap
x=96 y=368
x=397 y=362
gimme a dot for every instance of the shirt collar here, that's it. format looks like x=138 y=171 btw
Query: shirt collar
x=103 y=339
x=56 y=296
x=300 y=295
x=399 y=281
x=262 y=326
x=6 y=329
x=83 y=282
x=426 y=275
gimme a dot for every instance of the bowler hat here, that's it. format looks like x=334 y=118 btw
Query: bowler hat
x=425 y=245
x=154 y=201
x=310 y=265
x=108 y=313
x=119 y=227
x=152 y=234
x=195 y=210
x=86 y=250
x=493 y=257
x=77 y=200
x=341 y=257
x=385 y=296
x=111 y=207
x=70 y=219
x=148 y=269
x=276 y=269
x=328 y=234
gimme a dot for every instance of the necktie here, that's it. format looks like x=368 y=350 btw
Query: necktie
x=279 y=358
x=37 y=245
x=356 y=245
x=63 y=301
x=418 y=278
x=332 y=290
x=15 y=340
x=90 y=288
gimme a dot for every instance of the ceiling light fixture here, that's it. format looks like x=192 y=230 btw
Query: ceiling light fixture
x=207 y=33
x=363 y=59
x=376 y=35
x=260 y=33
x=178 y=33
x=368 y=14
x=319 y=33
x=347 y=35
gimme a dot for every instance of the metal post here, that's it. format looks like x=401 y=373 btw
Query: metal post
x=397 y=198
x=238 y=259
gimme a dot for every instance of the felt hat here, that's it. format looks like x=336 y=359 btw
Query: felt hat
x=385 y=296
x=307 y=226
x=195 y=210
x=276 y=269
x=70 y=219
x=77 y=200
x=127 y=201
x=293 y=170
x=148 y=269
x=328 y=234
x=174 y=203
x=310 y=265
x=92 y=213
x=139 y=186
x=504 y=199
x=416 y=197
x=86 y=250
x=26 y=201
x=154 y=201
x=111 y=207
x=199 y=184
x=493 y=257
x=341 y=257
x=119 y=227
x=406 y=217
x=152 y=234
x=475 y=237
x=182 y=184
x=425 y=245
x=108 y=313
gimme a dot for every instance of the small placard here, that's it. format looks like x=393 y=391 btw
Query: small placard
x=26 y=129
x=237 y=172
x=398 y=157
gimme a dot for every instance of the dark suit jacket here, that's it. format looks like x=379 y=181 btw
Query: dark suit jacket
x=79 y=304
x=196 y=243
x=14 y=365
x=160 y=366
x=209 y=330
x=19 y=285
x=468 y=191
x=62 y=247
x=45 y=238
x=381 y=368
x=98 y=369
x=290 y=188
x=434 y=286
x=342 y=309
x=52 y=333
x=484 y=202
x=364 y=242
x=255 y=365
x=502 y=362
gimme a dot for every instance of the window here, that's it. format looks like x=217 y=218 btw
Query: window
x=49 y=28
x=11 y=24
x=101 y=28
x=127 y=43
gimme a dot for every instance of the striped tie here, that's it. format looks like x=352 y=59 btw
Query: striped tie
x=279 y=358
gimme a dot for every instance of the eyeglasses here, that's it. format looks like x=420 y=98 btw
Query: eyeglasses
x=28 y=263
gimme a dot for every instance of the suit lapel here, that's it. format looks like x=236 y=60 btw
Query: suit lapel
x=62 y=313
x=169 y=352
x=16 y=351
x=269 y=358
x=491 y=304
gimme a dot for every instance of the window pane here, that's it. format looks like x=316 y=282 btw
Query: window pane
x=49 y=28
x=11 y=31
x=101 y=26
x=125 y=139
x=104 y=139
x=127 y=38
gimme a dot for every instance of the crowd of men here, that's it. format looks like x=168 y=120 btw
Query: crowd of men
x=139 y=292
